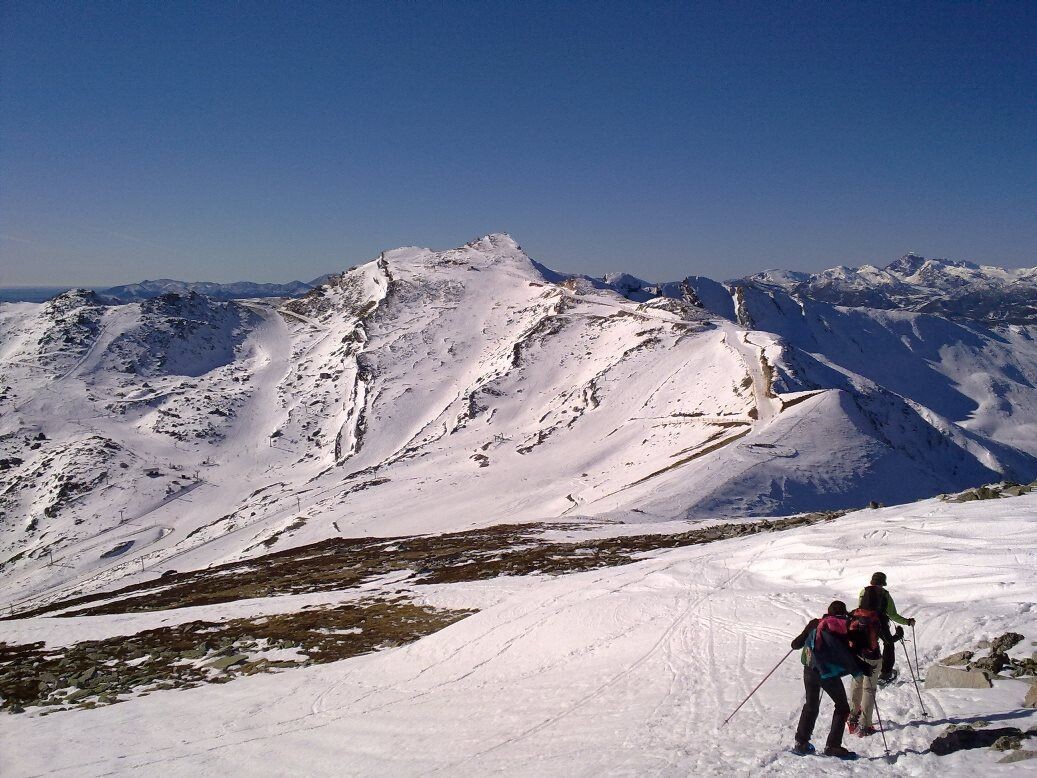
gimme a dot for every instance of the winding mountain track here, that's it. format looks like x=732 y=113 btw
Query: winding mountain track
x=768 y=406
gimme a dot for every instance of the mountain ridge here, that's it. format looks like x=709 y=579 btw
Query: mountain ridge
x=953 y=288
x=430 y=391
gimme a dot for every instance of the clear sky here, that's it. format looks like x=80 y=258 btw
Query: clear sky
x=271 y=141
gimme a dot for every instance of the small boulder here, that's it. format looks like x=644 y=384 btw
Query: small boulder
x=960 y=658
x=1030 y=700
x=965 y=738
x=993 y=664
x=225 y=662
x=1007 y=743
x=1021 y=667
x=940 y=677
x=1005 y=642
x=1018 y=756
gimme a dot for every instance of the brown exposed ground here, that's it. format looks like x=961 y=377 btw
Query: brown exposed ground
x=103 y=672
x=343 y=563
x=98 y=672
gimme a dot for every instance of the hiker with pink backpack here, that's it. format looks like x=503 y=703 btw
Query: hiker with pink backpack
x=864 y=629
x=827 y=655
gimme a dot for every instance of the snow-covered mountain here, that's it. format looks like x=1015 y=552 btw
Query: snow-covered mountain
x=233 y=291
x=440 y=390
x=545 y=480
x=952 y=288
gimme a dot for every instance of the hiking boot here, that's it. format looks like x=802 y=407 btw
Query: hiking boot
x=852 y=723
x=803 y=749
x=866 y=731
x=839 y=752
x=889 y=677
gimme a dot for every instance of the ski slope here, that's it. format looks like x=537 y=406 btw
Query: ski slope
x=619 y=671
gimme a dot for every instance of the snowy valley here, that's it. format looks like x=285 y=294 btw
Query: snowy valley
x=456 y=511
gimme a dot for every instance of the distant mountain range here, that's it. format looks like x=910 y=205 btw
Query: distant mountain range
x=955 y=289
x=951 y=288
x=146 y=290
x=234 y=291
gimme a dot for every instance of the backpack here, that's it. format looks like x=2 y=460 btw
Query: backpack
x=825 y=650
x=864 y=632
x=874 y=598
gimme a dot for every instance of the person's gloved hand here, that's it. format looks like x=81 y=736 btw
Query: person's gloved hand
x=910 y=622
x=898 y=633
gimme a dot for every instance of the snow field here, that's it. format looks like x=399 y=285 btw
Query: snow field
x=622 y=671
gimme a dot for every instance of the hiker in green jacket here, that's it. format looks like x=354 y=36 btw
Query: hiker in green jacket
x=887 y=613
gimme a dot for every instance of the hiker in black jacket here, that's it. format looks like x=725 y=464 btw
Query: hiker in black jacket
x=887 y=612
x=826 y=658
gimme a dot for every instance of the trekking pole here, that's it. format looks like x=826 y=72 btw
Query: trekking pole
x=882 y=729
x=914 y=640
x=914 y=677
x=756 y=687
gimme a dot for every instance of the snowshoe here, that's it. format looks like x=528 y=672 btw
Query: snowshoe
x=887 y=678
x=866 y=731
x=803 y=749
x=853 y=723
x=840 y=753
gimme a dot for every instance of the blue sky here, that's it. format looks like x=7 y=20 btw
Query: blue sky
x=269 y=141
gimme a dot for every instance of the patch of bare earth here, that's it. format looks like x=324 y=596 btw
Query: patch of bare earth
x=102 y=672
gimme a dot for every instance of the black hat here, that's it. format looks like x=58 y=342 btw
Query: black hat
x=837 y=608
x=878 y=579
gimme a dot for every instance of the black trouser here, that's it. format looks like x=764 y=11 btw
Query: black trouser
x=834 y=688
x=889 y=648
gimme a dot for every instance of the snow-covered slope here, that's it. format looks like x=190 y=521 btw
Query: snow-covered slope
x=625 y=670
x=953 y=288
x=432 y=391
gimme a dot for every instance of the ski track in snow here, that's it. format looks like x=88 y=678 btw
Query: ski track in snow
x=621 y=671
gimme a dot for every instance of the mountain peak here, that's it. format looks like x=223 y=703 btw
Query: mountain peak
x=495 y=240
x=907 y=264
x=911 y=263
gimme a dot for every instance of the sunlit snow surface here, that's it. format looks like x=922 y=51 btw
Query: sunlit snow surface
x=620 y=671
x=428 y=392
x=434 y=391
